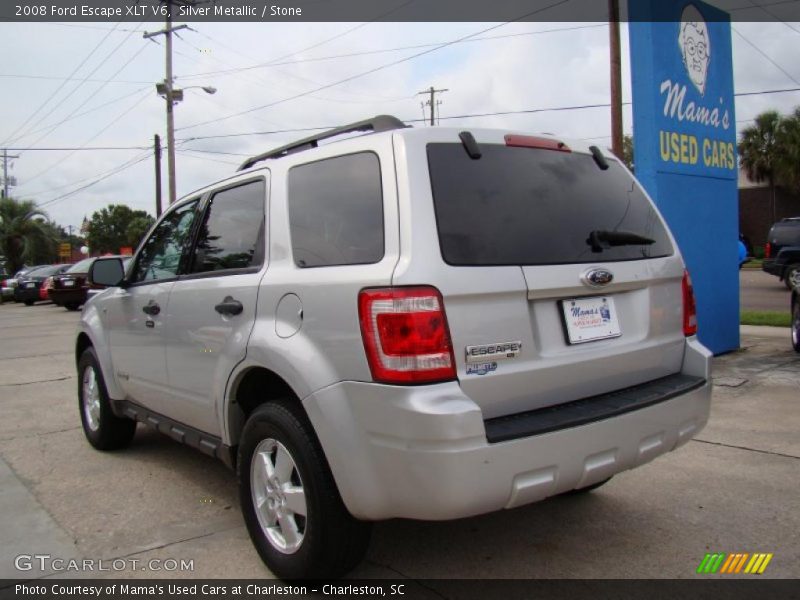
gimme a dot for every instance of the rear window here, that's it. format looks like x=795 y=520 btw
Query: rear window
x=785 y=232
x=47 y=271
x=81 y=267
x=528 y=206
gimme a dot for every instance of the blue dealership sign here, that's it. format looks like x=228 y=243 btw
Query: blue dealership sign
x=685 y=147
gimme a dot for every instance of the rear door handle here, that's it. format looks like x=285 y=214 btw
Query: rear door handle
x=229 y=306
x=151 y=308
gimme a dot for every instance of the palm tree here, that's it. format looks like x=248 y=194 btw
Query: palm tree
x=788 y=165
x=759 y=150
x=19 y=228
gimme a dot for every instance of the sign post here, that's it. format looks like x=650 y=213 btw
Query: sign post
x=685 y=147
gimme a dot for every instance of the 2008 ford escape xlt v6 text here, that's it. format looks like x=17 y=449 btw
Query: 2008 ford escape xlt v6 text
x=418 y=323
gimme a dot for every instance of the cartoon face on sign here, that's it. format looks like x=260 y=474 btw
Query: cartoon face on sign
x=695 y=45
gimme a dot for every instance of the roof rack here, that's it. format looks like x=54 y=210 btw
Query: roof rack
x=375 y=125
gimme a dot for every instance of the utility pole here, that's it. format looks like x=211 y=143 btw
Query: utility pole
x=157 y=156
x=432 y=102
x=171 y=96
x=6 y=157
x=616 y=78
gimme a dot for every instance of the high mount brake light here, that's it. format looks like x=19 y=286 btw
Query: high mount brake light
x=530 y=141
x=405 y=335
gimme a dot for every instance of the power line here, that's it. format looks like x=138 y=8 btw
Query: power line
x=62 y=197
x=208 y=158
x=90 y=177
x=58 y=89
x=91 y=110
x=386 y=50
x=239 y=71
x=82 y=26
x=765 y=55
x=77 y=87
x=471 y=115
x=78 y=148
x=113 y=121
x=765 y=92
x=311 y=47
x=54 y=78
x=373 y=70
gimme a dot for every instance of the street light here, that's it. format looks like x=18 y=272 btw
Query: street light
x=172 y=97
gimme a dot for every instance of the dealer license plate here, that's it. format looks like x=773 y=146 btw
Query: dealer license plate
x=68 y=283
x=590 y=319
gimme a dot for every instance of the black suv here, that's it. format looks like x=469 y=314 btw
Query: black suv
x=782 y=253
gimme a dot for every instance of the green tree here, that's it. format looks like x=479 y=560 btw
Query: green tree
x=116 y=226
x=44 y=249
x=759 y=150
x=788 y=161
x=21 y=227
x=627 y=151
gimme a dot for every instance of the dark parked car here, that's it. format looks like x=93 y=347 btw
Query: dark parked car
x=19 y=276
x=70 y=289
x=29 y=287
x=782 y=252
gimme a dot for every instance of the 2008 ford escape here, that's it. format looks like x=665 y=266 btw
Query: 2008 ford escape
x=420 y=323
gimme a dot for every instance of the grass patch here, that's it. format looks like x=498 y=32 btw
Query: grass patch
x=753 y=263
x=769 y=318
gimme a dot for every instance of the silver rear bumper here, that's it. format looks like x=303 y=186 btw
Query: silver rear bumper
x=422 y=452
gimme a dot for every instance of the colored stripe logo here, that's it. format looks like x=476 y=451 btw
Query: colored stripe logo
x=734 y=563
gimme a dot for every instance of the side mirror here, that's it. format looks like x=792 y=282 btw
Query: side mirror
x=108 y=272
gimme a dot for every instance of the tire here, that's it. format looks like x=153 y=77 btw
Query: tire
x=796 y=323
x=588 y=488
x=72 y=306
x=103 y=429
x=28 y=302
x=327 y=541
x=791 y=274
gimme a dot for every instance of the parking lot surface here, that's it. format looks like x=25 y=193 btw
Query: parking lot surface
x=762 y=291
x=736 y=488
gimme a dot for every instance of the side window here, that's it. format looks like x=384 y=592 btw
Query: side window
x=232 y=234
x=336 y=211
x=161 y=254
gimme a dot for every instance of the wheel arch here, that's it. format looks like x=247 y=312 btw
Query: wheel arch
x=251 y=388
x=81 y=344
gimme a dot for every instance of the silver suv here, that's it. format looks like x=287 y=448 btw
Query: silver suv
x=419 y=323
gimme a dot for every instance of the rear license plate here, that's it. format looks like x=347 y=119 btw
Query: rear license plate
x=590 y=319
x=30 y=286
x=68 y=282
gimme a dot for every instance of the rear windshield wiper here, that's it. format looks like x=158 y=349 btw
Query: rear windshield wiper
x=600 y=240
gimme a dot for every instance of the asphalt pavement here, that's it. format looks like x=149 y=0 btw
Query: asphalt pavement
x=761 y=291
x=735 y=488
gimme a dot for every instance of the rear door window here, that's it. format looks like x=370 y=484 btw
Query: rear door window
x=529 y=206
x=336 y=211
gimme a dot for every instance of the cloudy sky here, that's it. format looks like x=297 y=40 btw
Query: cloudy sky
x=91 y=85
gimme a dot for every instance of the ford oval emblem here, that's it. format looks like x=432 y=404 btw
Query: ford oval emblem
x=598 y=277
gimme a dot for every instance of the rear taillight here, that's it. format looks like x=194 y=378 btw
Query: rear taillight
x=767 y=250
x=405 y=335
x=689 y=307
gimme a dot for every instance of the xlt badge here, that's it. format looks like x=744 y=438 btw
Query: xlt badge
x=496 y=351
